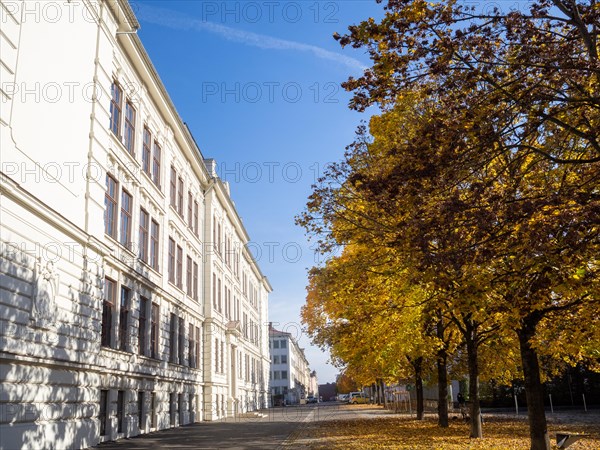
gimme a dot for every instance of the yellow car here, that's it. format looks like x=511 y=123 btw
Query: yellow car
x=355 y=398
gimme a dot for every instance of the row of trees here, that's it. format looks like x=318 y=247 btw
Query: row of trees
x=466 y=216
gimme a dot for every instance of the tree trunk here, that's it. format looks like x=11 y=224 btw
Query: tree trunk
x=534 y=390
x=418 y=365
x=442 y=369
x=472 y=358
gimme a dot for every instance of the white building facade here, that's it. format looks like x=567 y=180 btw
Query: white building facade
x=290 y=371
x=130 y=302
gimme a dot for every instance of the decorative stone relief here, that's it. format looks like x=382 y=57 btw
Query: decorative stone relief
x=43 y=310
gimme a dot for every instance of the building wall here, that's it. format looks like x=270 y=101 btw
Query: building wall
x=61 y=382
x=296 y=384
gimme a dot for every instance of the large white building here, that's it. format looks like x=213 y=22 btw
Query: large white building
x=129 y=300
x=290 y=373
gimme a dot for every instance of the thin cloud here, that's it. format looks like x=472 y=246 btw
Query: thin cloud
x=170 y=19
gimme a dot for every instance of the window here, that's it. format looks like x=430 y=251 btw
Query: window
x=172 y=408
x=275 y=359
x=197 y=360
x=222 y=357
x=180 y=408
x=126 y=201
x=283 y=359
x=154 y=324
x=156 y=164
x=115 y=108
x=181 y=341
x=219 y=296
x=180 y=197
x=219 y=248
x=216 y=355
x=123 y=318
x=283 y=344
x=276 y=375
x=120 y=410
x=179 y=267
x=140 y=410
x=171 y=260
x=129 y=135
x=110 y=207
x=214 y=291
x=227 y=303
x=108 y=306
x=154 y=247
x=191 y=346
x=214 y=230
x=188 y=277
x=102 y=415
x=190 y=210
x=275 y=344
x=144 y=225
x=146 y=152
x=173 y=339
x=173 y=187
x=195 y=281
x=196 y=209
x=153 y=410
x=284 y=374
x=142 y=326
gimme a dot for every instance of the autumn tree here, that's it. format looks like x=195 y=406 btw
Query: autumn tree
x=360 y=309
x=539 y=60
x=488 y=229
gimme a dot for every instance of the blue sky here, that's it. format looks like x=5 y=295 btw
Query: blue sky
x=258 y=83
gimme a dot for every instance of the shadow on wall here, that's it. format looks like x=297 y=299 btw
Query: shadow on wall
x=48 y=330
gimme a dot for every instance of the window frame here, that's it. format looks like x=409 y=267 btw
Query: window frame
x=142 y=325
x=171 y=264
x=173 y=339
x=124 y=307
x=154 y=330
x=144 y=233
x=181 y=342
x=196 y=217
x=173 y=188
x=116 y=108
x=179 y=267
x=195 y=277
x=111 y=203
x=108 y=312
x=147 y=151
x=156 y=162
x=154 y=245
x=126 y=219
x=129 y=127
x=188 y=276
x=190 y=210
x=120 y=410
x=180 y=196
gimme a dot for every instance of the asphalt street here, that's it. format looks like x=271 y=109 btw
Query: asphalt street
x=279 y=429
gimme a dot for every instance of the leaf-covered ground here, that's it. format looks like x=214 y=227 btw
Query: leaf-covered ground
x=403 y=432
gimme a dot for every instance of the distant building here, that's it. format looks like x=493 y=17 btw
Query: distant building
x=290 y=373
x=313 y=387
x=328 y=391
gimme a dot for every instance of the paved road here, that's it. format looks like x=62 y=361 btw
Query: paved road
x=278 y=430
x=282 y=428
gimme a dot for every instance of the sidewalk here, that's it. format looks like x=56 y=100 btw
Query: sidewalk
x=275 y=431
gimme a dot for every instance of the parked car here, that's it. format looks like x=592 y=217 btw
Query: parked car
x=343 y=397
x=311 y=399
x=357 y=397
